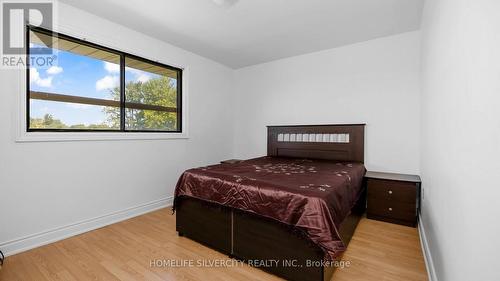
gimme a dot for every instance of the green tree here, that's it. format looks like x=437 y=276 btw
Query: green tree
x=48 y=121
x=103 y=126
x=160 y=91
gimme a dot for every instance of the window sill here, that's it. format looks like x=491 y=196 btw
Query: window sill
x=95 y=136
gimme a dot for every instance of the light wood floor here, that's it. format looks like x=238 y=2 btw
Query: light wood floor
x=123 y=251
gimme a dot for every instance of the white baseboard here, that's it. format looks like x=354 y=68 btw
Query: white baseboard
x=429 y=264
x=46 y=237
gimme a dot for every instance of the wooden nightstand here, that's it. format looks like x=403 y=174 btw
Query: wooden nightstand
x=231 y=161
x=393 y=197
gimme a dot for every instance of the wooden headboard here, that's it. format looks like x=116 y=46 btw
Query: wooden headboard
x=331 y=142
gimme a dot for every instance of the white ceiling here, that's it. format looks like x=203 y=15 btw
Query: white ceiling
x=246 y=32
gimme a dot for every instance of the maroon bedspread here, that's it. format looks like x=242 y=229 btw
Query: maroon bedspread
x=312 y=195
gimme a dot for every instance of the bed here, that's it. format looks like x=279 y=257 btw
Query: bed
x=292 y=212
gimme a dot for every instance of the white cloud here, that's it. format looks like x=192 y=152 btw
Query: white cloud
x=133 y=70
x=143 y=78
x=107 y=82
x=54 y=70
x=140 y=76
x=111 y=67
x=34 y=75
x=39 y=81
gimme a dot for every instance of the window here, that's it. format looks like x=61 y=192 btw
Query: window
x=94 y=88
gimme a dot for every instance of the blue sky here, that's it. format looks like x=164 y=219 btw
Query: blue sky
x=78 y=76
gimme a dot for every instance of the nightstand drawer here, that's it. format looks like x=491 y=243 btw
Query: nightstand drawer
x=393 y=197
x=403 y=192
x=392 y=209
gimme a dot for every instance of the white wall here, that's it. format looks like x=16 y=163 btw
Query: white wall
x=46 y=186
x=374 y=82
x=461 y=137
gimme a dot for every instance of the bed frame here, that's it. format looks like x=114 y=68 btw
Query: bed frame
x=249 y=237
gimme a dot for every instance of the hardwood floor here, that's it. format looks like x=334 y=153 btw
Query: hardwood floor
x=125 y=251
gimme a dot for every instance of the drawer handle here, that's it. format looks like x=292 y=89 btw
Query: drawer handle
x=390 y=191
x=390 y=209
